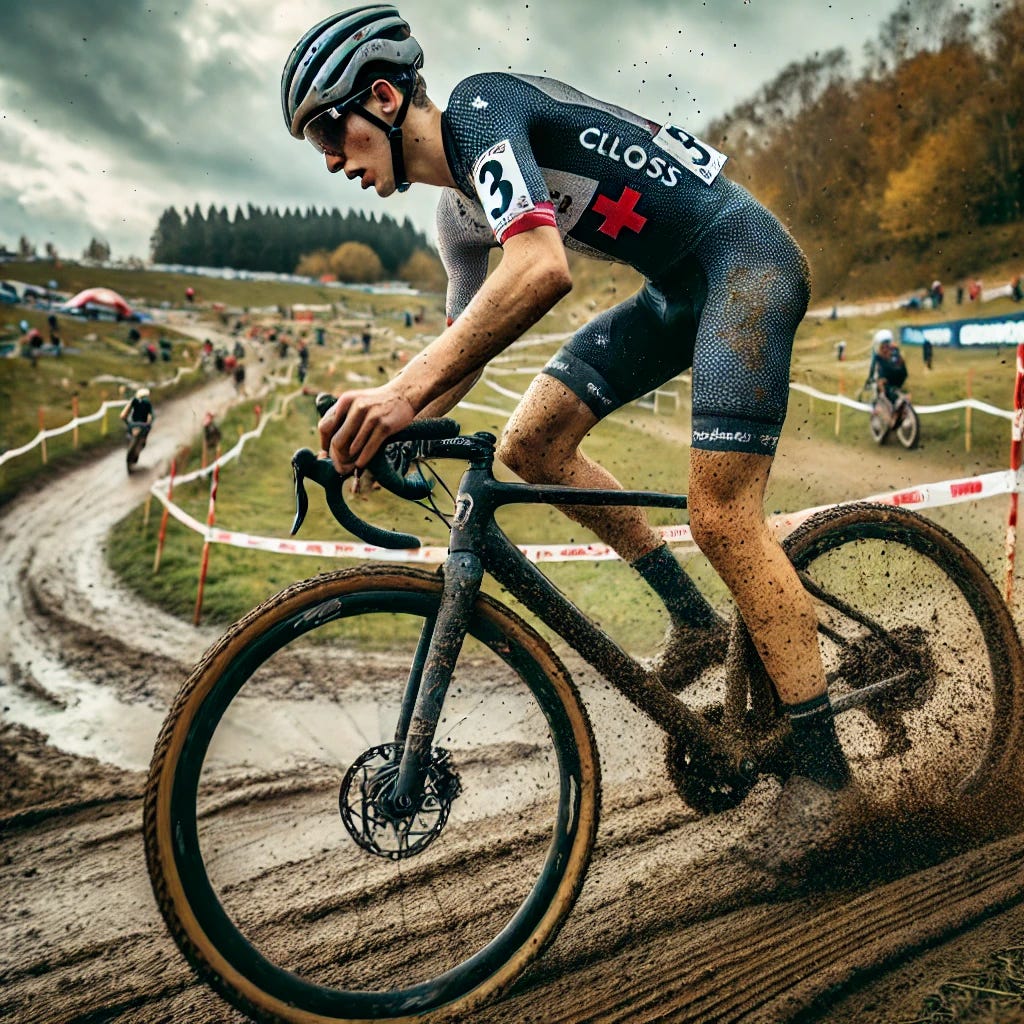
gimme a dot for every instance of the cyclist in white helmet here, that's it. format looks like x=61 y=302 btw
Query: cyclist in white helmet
x=138 y=410
x=535 y=166
x=887 y=372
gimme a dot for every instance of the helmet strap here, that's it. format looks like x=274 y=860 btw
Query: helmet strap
x=394 y=134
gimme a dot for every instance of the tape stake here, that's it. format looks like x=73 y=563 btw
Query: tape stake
x=1015 y=460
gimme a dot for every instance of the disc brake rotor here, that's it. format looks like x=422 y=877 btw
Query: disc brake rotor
x=368 y=809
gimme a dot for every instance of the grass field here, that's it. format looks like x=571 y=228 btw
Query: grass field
x=155 y=288
x=99 y=363
x=256 y=496
x=645 y=449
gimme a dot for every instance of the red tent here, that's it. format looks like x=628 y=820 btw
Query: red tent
x=99 y=301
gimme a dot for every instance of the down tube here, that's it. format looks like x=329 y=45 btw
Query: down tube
x=510 y=567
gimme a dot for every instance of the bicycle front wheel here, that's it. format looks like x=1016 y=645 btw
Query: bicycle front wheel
x=901 y=600
x=908 y=430
x=276 y=878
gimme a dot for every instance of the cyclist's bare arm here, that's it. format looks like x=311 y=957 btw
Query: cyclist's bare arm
x=532 y=276
x=464 y=244
x=445 y=403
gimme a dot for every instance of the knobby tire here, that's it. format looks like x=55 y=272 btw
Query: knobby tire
x=222 y=946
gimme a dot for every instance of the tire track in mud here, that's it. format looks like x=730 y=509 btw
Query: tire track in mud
x=661 y=934
x=668 y=927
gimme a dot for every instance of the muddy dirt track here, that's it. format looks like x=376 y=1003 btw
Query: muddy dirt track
x=673 y=925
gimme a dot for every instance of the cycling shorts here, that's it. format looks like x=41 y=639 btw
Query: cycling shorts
x=730 y=311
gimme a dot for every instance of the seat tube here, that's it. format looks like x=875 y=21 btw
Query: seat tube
x=463 y=574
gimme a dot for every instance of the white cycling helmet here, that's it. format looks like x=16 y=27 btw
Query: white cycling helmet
x=882 y=337
x=142 y=393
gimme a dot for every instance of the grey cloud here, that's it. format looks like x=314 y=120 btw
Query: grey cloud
x=201 y=123
x=115 y=74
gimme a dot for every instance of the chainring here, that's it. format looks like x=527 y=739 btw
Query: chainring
x=707 y=786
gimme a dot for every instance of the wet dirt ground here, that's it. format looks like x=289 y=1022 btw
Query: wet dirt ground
x=672 y=924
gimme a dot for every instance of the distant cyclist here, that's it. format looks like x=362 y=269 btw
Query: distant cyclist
x=138 y=410
x=536 y=167
x=888 y=370
x=138 y=417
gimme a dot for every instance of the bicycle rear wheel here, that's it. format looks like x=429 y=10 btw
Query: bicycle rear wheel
x=264 y=772
x=898 y=596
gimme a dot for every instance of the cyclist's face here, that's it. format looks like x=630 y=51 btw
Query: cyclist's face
x=365 y=155
x=352 y=144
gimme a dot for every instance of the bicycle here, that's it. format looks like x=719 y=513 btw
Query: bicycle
x=316 y=855
x=892 y=415
x=137 y=435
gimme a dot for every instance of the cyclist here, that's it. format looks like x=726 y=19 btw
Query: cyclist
x=138 y=411
x=536 y=167
x=887 y=372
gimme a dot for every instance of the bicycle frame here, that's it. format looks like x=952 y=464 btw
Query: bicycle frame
x=479 y=545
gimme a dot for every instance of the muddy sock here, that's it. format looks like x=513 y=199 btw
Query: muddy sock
x=669 y=581
x=816 y=750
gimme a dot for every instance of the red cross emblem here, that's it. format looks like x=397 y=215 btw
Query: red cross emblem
x=620 y=213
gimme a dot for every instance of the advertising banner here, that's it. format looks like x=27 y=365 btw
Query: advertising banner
x=993 y=330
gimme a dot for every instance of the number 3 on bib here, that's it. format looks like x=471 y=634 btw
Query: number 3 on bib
x=501 y=187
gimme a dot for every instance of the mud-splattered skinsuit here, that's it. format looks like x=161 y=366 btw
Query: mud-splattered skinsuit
x=726 y=285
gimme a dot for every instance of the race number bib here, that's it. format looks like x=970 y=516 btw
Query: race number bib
x=697 y=157
x=500 y=185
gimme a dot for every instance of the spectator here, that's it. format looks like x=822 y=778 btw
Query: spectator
x=840 y=350
x=960 y=294
x=33 y=342
x=150 y=352
x=211 y=434
x=190 y=294
x=926 y=352
x=937 y=293
x=239 y=376
x=974 y=290
x=1017 y=289
x=367 y=337
x=55 y=336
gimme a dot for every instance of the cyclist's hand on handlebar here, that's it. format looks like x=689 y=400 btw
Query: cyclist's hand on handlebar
x=359 y=422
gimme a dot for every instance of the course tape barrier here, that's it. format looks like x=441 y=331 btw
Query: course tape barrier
x=78 y=421
x=932 y=495
x=851 y=403
x=924 y=410
x=13 y=453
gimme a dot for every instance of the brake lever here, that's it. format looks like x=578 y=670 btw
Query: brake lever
x=301 y=500
x=306 y=464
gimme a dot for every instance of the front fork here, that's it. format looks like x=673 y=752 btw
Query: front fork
x=440 y=644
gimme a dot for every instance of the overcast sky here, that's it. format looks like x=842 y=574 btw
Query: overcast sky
x=112 y=110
